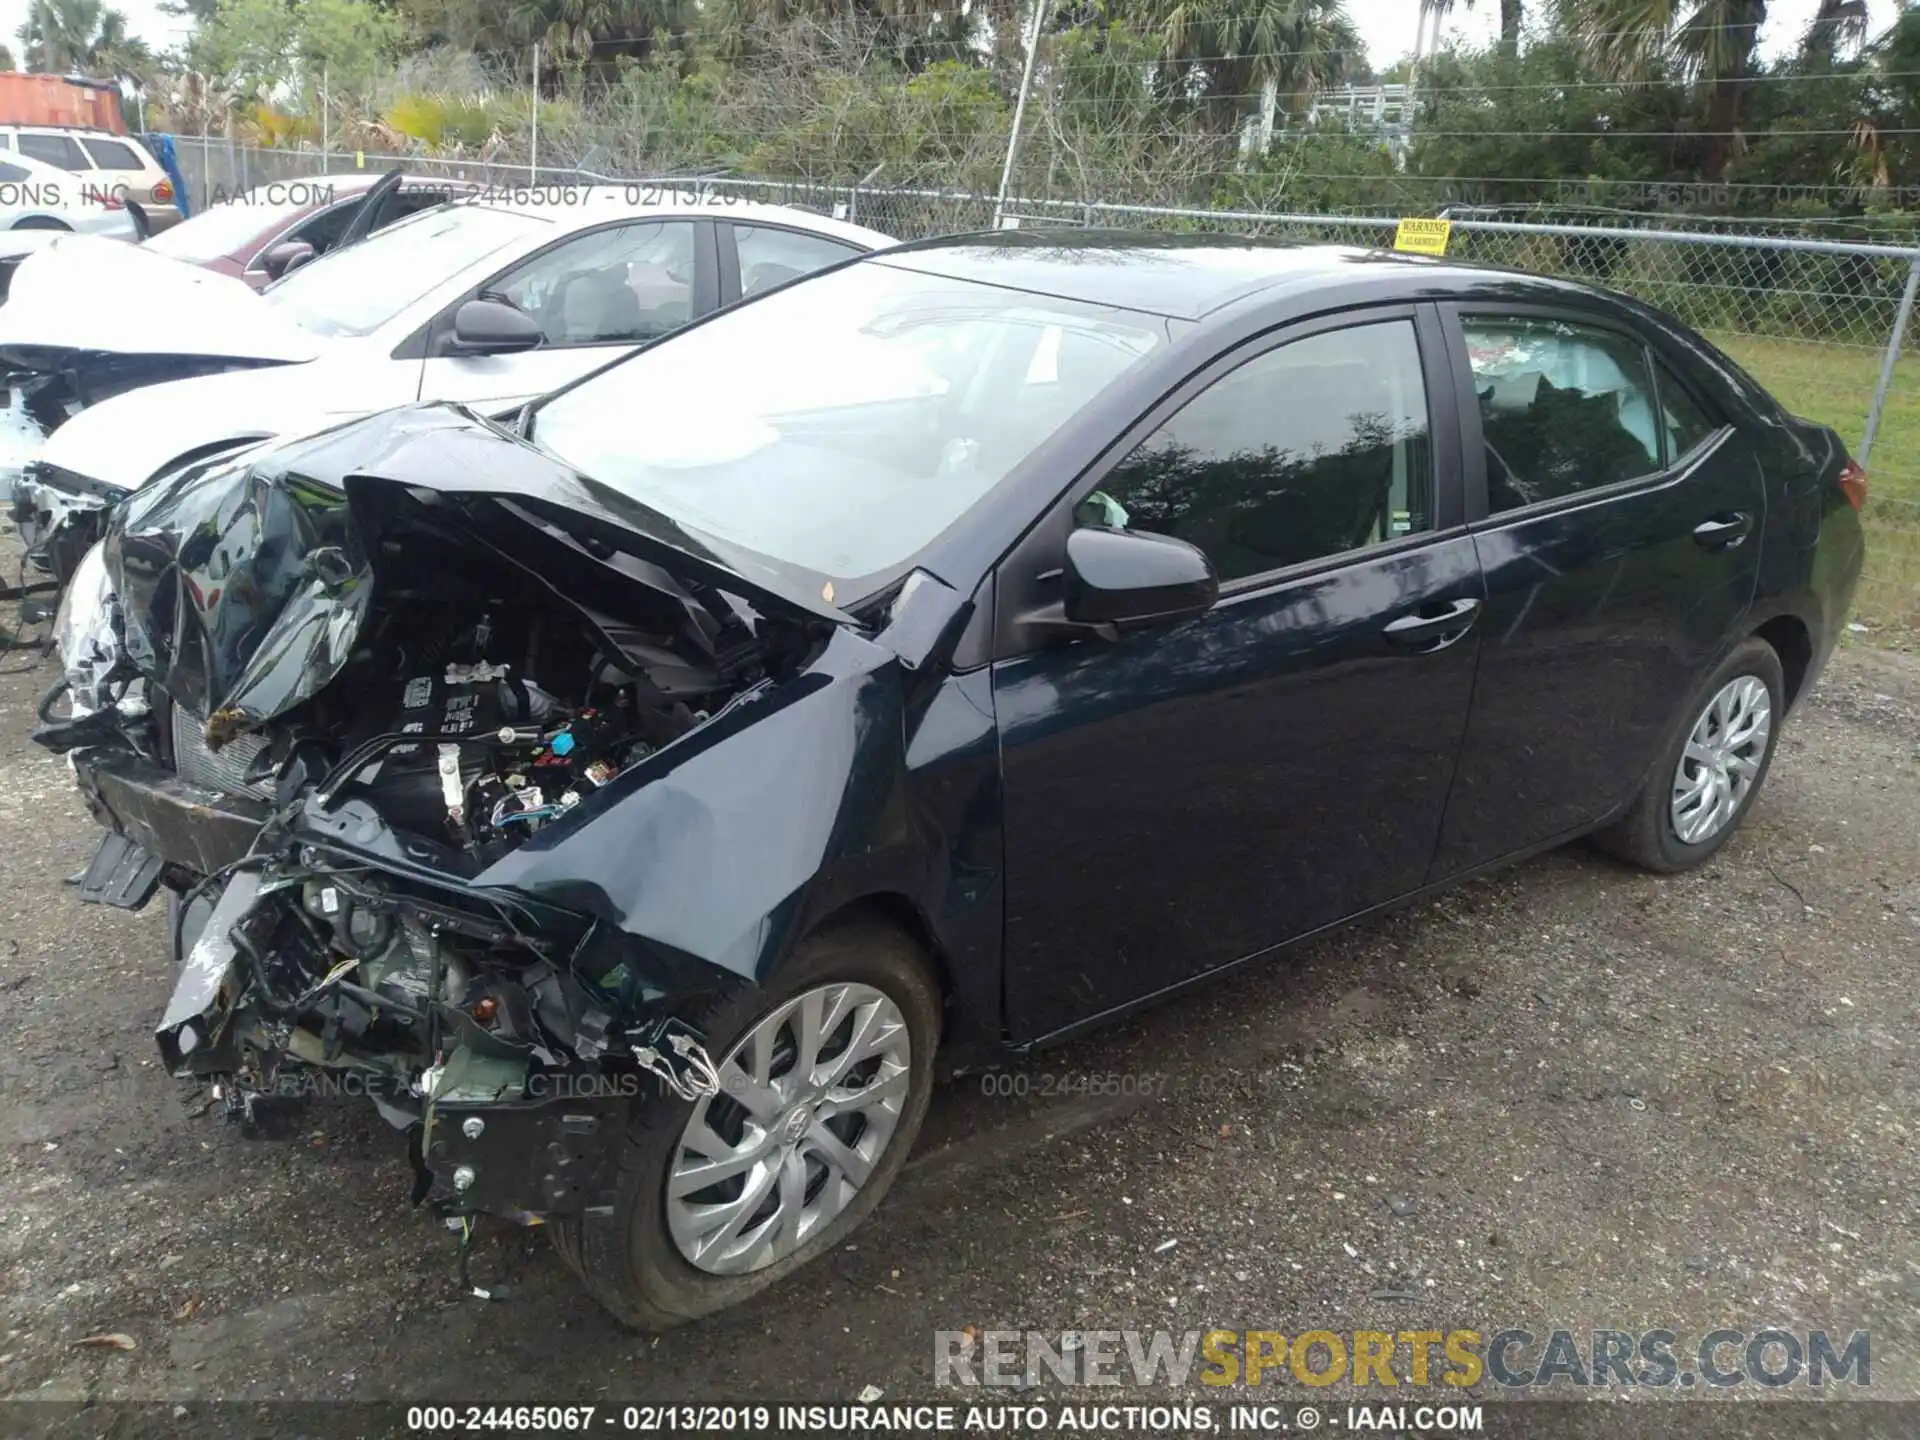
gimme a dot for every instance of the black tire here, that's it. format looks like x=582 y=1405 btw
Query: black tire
x=1645 y=835
x=627 y=1259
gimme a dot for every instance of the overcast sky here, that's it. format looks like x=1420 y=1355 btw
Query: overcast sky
x=1385 y=25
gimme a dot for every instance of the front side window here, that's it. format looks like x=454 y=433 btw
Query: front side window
x=842 y=424
x=1313 y=449
x=624 y=285
x=1564 y=408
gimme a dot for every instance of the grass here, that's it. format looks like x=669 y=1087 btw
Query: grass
x=1834 y=384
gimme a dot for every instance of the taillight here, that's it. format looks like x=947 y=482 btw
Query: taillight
x=1853 y=484
x=163 y=191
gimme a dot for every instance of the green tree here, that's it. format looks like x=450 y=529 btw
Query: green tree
x=255 y=47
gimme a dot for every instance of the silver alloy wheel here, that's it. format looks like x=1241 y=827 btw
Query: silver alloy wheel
x=1721 y=759
x=809 y=1100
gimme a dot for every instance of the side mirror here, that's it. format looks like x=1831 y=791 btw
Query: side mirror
x=288 y=255
x=492 y=327
x=1130 y=578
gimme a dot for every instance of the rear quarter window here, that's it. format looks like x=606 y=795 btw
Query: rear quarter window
x=113 y=155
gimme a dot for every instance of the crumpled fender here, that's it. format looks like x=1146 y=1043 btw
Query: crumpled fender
x=727 y=846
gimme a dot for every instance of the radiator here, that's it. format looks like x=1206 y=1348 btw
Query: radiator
x=224 y=770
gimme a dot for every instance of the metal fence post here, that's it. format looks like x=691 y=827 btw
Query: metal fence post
x=533 y=147
x=1019 y=111
x=1894 y=343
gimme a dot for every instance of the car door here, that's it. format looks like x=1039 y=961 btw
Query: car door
x=756 y=258
x=596 y=295
x=1181 y=798
x=1617 y=519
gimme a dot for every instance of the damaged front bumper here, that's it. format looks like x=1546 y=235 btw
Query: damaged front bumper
x=514 y=1079
x=59 y=516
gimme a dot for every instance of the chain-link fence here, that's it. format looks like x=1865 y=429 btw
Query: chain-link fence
x=1820 y=323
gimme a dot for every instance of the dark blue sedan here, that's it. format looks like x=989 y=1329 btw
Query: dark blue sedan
x=940 y=655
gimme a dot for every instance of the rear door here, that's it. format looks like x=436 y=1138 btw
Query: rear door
x=1183 y=797
x=1617 y=518
x=597 y=295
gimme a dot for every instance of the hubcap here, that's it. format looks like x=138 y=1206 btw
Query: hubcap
x=1721 y=760
x=809 y=1100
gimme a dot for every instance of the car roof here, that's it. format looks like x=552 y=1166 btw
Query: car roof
x=595 y=204
x=1183 y=277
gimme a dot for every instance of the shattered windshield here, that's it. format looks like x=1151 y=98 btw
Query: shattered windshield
x=843 y=423
x=357 y=289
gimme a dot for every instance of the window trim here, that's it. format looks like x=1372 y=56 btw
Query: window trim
x=1480 y=514
x=1035 y=558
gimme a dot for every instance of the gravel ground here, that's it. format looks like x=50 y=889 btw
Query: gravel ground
x=1568 y=1096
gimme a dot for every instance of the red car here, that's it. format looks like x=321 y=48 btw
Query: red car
x=262 y=234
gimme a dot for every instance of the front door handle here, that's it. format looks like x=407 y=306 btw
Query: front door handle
x=1723 y=532
x=1433 y=626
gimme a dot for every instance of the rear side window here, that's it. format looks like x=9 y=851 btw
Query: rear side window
x=112 y=155
x=61 y=150
x=1564 y=408
x=1686 y=424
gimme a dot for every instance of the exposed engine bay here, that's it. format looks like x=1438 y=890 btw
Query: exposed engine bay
x=347 y=722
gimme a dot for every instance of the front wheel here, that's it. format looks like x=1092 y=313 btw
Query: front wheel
x=824 y=1082
x=1712 y=768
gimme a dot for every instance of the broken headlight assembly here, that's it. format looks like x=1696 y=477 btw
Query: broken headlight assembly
x=88 y=635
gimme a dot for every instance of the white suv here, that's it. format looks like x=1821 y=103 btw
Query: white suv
x=116 y=166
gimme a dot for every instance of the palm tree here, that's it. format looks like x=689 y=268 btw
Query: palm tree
x=1285 y=50
x=1711 y=41
x=68 y=35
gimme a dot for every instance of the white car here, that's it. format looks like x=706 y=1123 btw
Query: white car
x=39 y=201
x=116 y=165
x=485 y=301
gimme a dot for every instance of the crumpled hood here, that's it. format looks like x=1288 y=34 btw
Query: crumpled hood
x=83 y=293
x=244 y=583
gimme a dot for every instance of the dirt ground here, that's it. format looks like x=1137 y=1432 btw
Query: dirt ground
x=1568 y=1096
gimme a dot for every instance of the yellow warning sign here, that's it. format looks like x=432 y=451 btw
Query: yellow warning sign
x=1423 y=237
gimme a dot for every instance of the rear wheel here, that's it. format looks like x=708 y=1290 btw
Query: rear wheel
x=825 y=1079
x=1712 y=768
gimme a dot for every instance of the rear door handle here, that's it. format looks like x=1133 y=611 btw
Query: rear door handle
x=1425 y=627
x=1723 y=532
